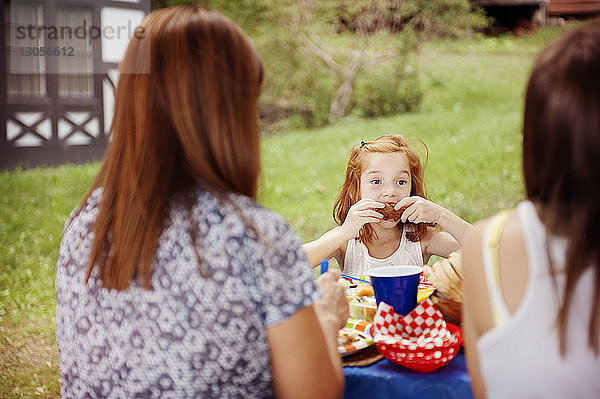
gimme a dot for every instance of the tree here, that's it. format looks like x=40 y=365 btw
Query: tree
x=358 y=57
x=365 y=18
x=344 y=74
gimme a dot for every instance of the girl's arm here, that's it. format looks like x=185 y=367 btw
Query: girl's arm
x=326 y=246
x=438 y=243
x=441 y=243
x=331 y=243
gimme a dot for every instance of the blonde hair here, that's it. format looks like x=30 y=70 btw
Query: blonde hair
x=350 y=191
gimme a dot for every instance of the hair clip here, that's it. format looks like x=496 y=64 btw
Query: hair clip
x=362 y=144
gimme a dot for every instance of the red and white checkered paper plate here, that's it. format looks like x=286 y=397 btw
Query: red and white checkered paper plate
x=364 y=328
x=421 y=340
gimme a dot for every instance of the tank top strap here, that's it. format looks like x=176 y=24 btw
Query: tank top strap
x=491 y=240
x=412 y=253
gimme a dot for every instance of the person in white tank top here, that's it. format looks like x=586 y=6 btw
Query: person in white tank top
x=383 y=213
x=358 y=262
x=532 y=274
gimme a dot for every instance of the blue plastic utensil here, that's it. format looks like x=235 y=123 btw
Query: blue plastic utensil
x=355 y=278
x=324 y=265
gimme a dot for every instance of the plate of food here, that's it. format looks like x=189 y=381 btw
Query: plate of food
x=354 y=337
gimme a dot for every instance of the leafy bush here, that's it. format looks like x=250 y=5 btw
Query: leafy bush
x=294 y=83
x=380 y=95
x=394 y=87
x=439 y=18
x=443 y=18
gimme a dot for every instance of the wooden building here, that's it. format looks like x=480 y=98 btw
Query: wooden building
x=511 y=3
x=523 y=16
x=573 y=7
x=547 y=7
x=516 y=15
x=553 y=7
x=57 y=76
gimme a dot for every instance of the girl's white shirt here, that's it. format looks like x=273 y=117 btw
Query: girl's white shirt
x=357 y=261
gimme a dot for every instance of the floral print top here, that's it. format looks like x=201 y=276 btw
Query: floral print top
x=190 y=336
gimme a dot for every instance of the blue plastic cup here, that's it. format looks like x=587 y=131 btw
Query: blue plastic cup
x=397 y=286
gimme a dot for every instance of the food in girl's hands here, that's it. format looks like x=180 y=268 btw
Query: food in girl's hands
x=389 y=213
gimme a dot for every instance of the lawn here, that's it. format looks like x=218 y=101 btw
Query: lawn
x=470 y=120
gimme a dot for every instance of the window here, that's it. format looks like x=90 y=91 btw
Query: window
x=29 y=67
x=75 y=72
x=25 y=73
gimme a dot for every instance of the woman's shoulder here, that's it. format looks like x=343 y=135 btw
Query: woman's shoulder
x=86 y=211
x=503 y=220
x=265 y=220
x=473 y=242
x=504 y=225
x=479 y=227
x=255 y=210
x=239 y=210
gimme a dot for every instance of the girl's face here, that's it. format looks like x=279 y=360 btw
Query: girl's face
x=386 y=177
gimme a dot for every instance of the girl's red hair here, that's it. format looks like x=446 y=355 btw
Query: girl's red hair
x=350 y=191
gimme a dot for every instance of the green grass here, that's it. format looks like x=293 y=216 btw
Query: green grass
x=33 y=207
x=470 y=120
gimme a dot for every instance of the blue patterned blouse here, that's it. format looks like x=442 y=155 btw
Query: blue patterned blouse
x=189 y=337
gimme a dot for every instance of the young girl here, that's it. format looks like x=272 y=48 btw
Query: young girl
x=386 y=171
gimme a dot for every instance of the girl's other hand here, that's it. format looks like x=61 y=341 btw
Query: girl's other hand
x=332 y=307
x=419 y=210
x=361 y=213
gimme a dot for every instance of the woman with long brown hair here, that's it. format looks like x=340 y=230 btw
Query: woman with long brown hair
x=532 y=274
x=170 y=279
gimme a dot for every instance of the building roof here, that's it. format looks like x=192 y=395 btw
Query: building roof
x=510 y=2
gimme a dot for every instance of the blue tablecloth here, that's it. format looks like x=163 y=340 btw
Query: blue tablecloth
x=385 y=379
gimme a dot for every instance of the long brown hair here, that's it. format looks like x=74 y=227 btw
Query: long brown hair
x=350 y=191
x=561 y=157
x=192 y=120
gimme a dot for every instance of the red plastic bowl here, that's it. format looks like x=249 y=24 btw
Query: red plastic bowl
x=423 y=360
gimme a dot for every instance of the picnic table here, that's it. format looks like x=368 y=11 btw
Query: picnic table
x=385 y=379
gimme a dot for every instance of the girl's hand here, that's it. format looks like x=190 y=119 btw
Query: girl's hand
x=419 y=210
x=440 y=243
x=360 y=214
